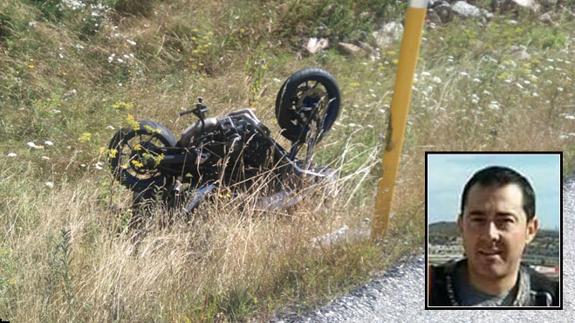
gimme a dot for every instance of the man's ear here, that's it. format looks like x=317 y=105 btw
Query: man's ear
x=532 y=228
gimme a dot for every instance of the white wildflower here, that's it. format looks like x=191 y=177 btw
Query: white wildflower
x=98 y=166
x=494 y=105
x=110 y=127
x=48 y=143
x=474 y=98
x=74 y=4
x=11 y=155
x=131 y=42
x=476 y=80
x=560 y=89
x=45 y=158
x=436 y=79
x=570 y=117
x=32 y=145
x=49 y=184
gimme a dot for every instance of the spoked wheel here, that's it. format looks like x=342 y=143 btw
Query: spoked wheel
x=307 y=105
x=135 y=154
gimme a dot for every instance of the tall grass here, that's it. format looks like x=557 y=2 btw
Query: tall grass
x=69 y=78
x=68 y=255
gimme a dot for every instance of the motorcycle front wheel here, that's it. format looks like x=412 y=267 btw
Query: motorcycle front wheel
x=134 y=154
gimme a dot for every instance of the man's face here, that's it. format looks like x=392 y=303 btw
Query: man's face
x=495 y=230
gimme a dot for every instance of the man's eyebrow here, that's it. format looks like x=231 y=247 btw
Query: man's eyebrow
x=476 y=212
x=505 y=214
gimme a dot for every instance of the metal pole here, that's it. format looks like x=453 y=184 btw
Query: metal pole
x=410 y=43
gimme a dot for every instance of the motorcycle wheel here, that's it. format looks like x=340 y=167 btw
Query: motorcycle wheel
x=307 y=88
x=133 y=155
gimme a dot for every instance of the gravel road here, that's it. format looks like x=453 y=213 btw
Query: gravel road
x=398 y=296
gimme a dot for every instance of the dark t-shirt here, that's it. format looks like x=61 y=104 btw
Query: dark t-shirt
x=469 y=296
x=450 y=287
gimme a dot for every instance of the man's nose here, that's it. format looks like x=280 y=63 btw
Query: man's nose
x=492 y=231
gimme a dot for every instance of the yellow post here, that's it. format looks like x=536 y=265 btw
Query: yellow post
x=414 y=21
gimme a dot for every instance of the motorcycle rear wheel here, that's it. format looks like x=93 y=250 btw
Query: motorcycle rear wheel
x=303 y=89
x=133 y=155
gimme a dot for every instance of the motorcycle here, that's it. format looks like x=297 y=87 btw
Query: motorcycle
x=235 y=150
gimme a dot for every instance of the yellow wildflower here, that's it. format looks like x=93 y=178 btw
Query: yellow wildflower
x=85 y=137
x=137 y=163
x=132 y=122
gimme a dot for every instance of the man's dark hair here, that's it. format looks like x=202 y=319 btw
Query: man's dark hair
x=501 y=176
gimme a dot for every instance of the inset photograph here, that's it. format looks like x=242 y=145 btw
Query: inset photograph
x=494 y=230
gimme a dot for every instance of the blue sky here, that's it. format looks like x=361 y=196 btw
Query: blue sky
x=448 y=173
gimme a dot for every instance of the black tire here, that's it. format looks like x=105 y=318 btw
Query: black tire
x=289 y=102
x=122 y=154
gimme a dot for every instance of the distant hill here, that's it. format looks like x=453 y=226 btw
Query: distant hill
x=443 y=228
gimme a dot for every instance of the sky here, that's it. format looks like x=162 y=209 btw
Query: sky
x=448 y=173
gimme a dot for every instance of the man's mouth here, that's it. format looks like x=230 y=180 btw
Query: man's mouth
x=490 y=253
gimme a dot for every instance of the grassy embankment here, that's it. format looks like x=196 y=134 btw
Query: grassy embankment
x=71 y=77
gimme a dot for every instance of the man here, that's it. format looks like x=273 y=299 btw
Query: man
x=497 y=220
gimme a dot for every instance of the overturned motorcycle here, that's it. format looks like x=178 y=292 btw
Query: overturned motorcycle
x=235 y=151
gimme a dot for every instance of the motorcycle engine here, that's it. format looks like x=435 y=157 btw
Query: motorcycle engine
x=238 y=143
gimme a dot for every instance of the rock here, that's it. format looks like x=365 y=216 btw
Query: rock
x=520 y=53
x=373 y=52
x=388 y=34
x=465 y=10
x=547 y=19
x=530 y=4
x=504 y=6
x=444 y=12
x=433 y=17
x=349 y=49
x=434 y=3
x=314 y=45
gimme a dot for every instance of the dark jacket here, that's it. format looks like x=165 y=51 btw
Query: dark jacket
x=534 y=288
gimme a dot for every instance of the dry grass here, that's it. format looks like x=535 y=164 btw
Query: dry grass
x=66 y=253
x=70 y=256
